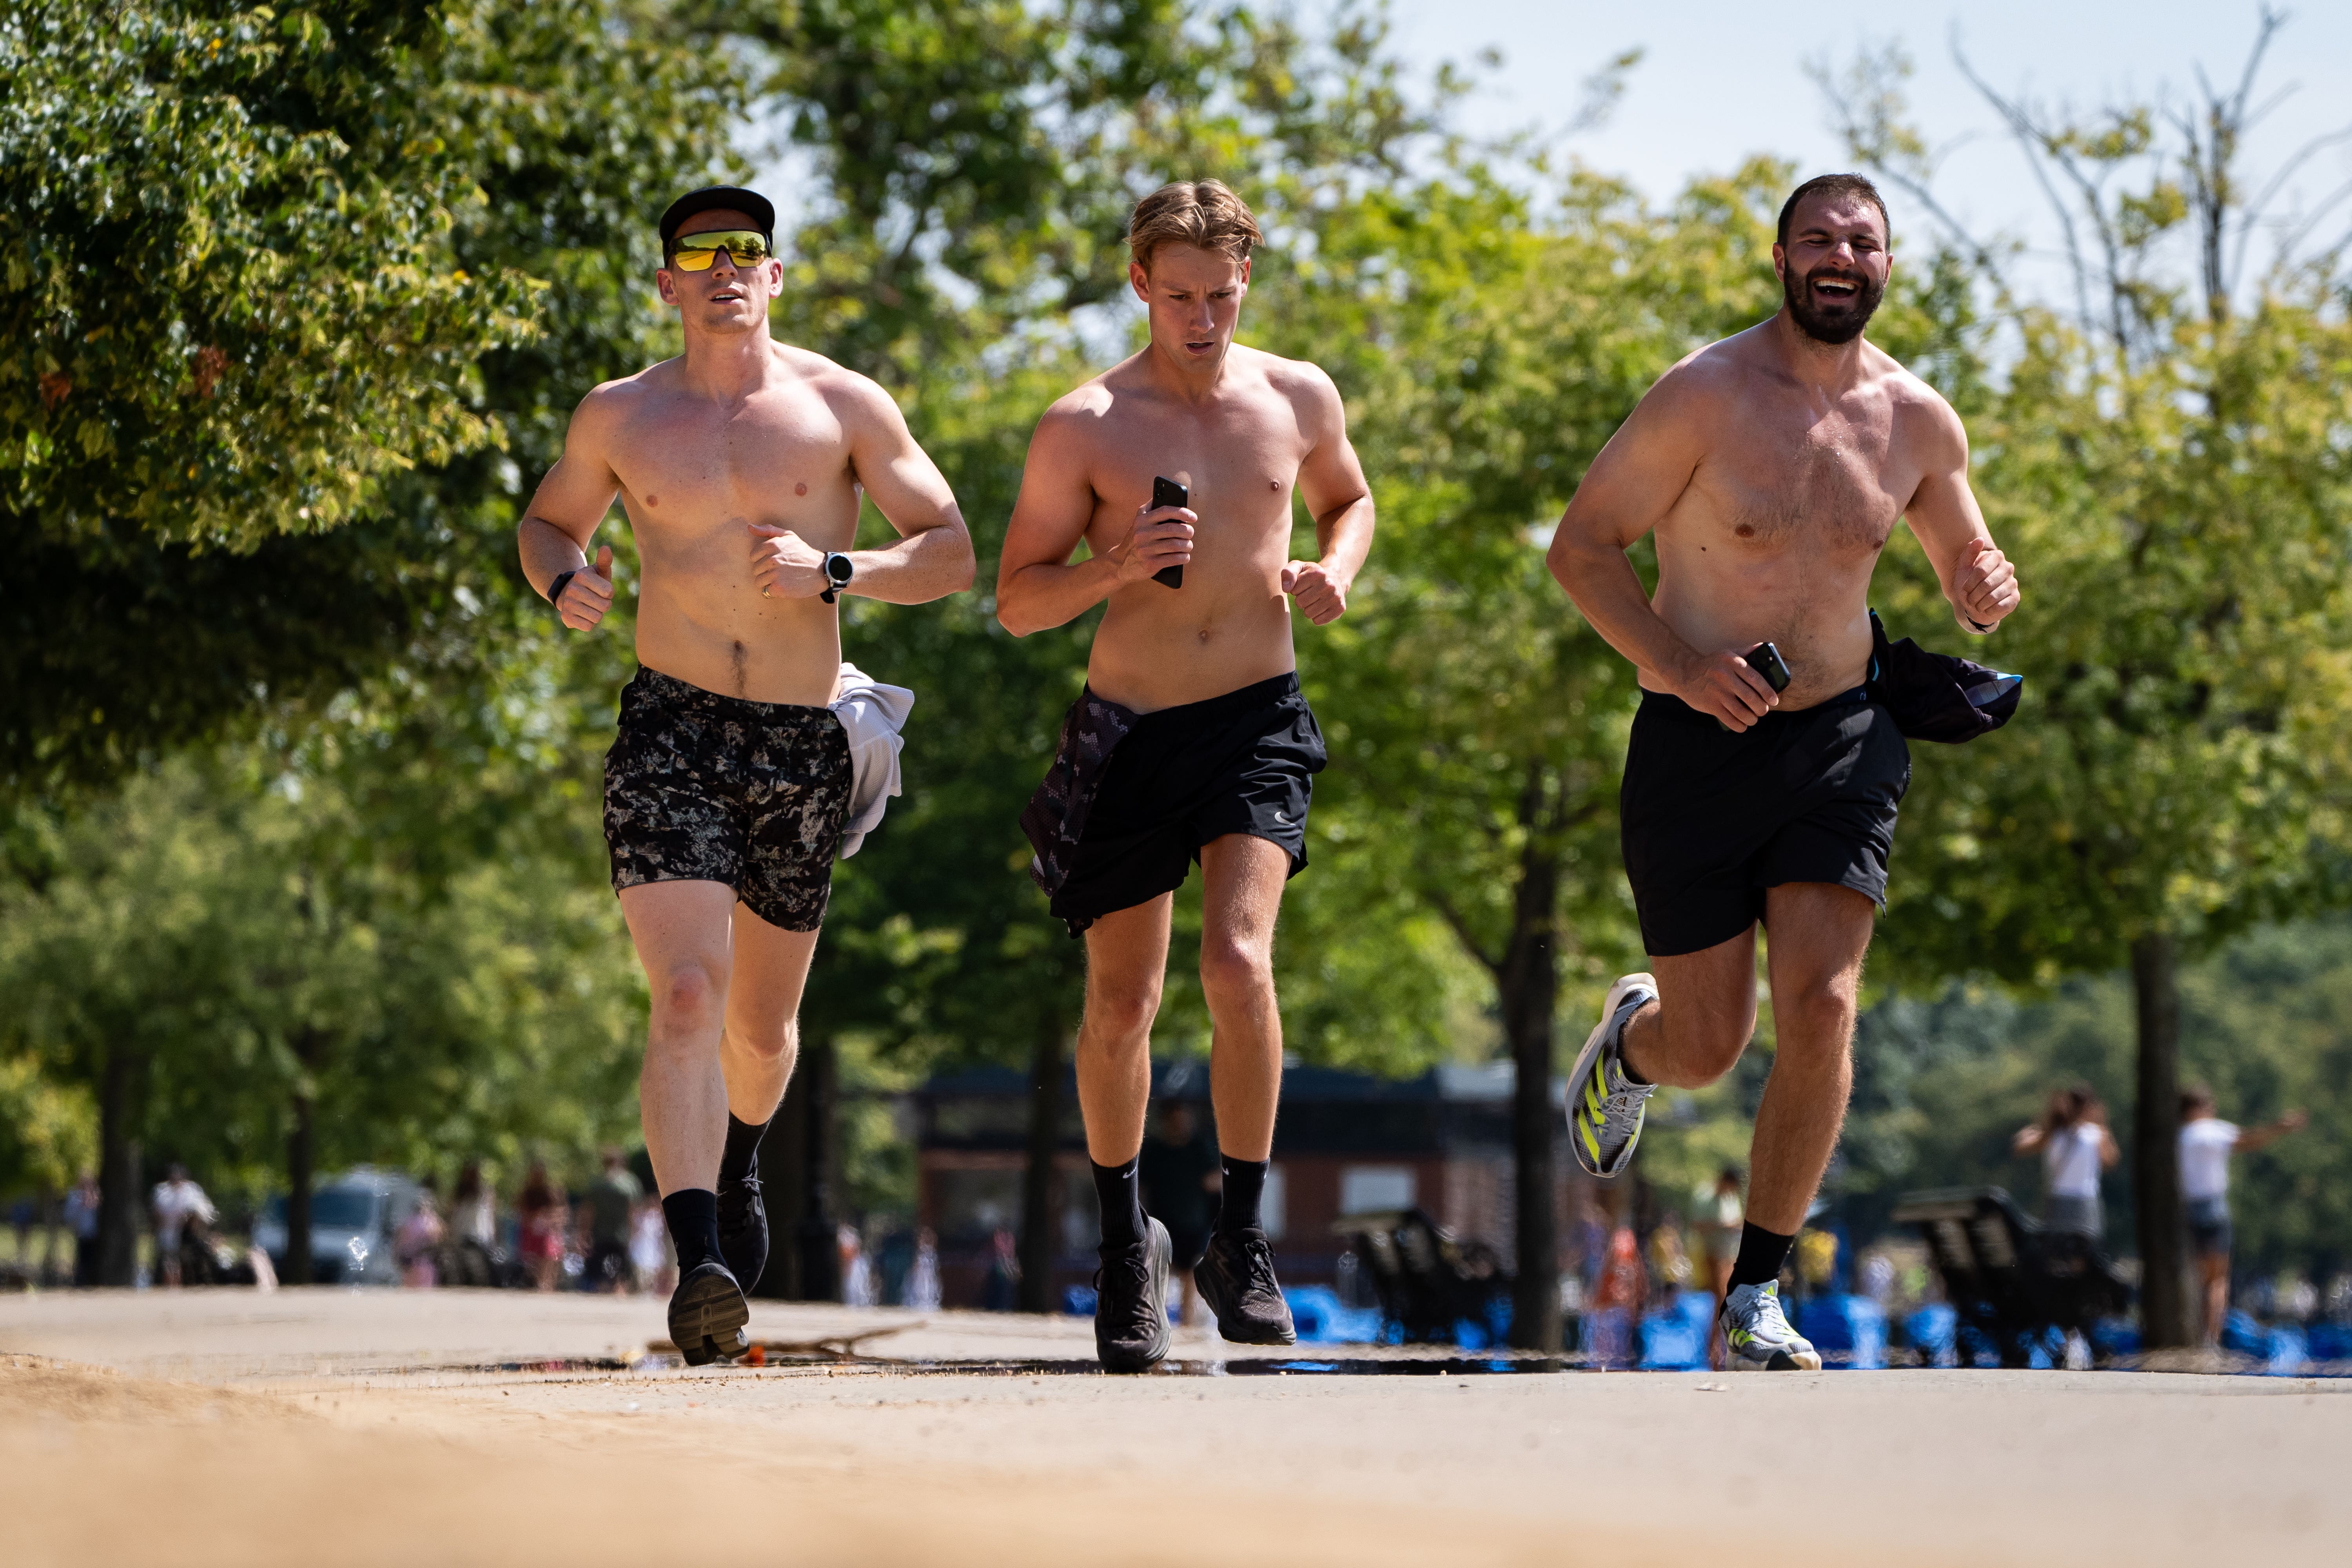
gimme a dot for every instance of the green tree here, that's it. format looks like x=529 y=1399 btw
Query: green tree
x=246 y=970
x=297 y=299
x=2168 y=462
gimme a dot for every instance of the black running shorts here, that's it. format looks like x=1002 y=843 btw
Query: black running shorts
x=1146 y=791
x=1709 y=819
x=702 y=787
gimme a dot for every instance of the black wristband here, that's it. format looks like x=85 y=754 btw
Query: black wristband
x=1980 y=631
x=555 y=589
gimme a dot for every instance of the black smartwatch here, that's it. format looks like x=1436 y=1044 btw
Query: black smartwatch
x=838 y=570
x=555 y=589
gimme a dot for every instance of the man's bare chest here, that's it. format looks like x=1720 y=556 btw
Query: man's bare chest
x=1238 y=469
x=1778 y=479
x=757 y=460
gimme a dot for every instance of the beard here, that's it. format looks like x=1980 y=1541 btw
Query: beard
x=1843 y=319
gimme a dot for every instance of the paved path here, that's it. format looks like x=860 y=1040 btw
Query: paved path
x=324 y=1427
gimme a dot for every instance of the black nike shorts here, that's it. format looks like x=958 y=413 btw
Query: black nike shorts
x=1709 y=819
x=704 y=787
x=1132 y=798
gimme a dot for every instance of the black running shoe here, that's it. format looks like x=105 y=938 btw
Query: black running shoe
x=1236 y=1279
x=709 y=1318
x=1131 y=1302
x=743 y=1231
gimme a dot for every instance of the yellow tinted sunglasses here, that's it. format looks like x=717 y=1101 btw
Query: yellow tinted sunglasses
x=695 y=252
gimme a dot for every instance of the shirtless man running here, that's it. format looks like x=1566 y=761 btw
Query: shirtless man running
x=1191 y=741
x=1772 y=466
x=740 y=464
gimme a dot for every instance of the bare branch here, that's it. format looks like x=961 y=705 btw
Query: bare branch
x=1444 y=905
x=1871 y=125
x=2030 y=139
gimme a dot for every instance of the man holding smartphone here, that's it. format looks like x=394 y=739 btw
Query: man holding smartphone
x=1191 y=741
x=1772 y=467
x=740 y=464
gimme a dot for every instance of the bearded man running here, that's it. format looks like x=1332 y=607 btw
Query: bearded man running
x=740 y=464
x=1191 y=741
x=1772 y=466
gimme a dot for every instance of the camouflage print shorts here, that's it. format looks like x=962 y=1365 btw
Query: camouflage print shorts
x=702 y=787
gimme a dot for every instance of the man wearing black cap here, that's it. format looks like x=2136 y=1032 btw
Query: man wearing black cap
x=740 y=464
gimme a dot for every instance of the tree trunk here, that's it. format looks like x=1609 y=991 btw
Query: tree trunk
x=816 y=1234
x=784 y=1182
x=1527 y=986
x=2164 y=1312
x=1040 y=1232
x=119 y=1103
x=301 y=1151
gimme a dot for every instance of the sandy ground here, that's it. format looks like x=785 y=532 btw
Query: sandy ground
x=325 y=1426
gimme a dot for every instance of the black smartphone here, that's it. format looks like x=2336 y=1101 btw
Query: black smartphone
x=1168 y=492
x=1765 y=660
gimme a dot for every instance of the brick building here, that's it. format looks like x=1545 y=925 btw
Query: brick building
x=1345 y=1143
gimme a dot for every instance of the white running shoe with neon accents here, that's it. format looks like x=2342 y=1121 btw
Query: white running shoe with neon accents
x=1604 y=1107
x=1758 y=1335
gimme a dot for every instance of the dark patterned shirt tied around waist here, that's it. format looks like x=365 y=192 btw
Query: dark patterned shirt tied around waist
x=1055 y=818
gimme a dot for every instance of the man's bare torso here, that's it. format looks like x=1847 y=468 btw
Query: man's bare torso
x=1775 y=535
x=1239 y=453
x=694 y=471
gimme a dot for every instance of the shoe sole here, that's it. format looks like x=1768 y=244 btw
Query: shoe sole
x=1582 y=1073
x=1211 y=1282
x=1780 y=1361
x=1151 y=1355
x=708 y=1321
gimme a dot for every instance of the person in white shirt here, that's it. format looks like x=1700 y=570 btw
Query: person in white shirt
x=2206 y=1144
x=2075 y=1148
x=177 y=1201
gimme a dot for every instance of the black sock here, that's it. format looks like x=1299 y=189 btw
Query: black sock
x=1245 y=1184
x=743 y=1156
x=1119 y=1189
x=693 y=1215
x=1761 y=1252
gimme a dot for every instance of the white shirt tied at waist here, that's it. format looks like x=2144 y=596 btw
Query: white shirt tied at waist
x=872 y=714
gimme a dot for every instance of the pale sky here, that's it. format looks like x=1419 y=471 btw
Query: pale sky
x=1720 y=81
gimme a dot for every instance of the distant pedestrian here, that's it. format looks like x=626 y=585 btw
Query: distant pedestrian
x=471 y=1252
x=649 y=1251
x=419 y=1241
x=542 y=1214
x=2075 y=1146
x=1720 y=1219
x=82 y=1220
x=923 y=1278
x=999 y=1291
x=857 y=1269
x=2206 y=1144
x=1181 y=1175
x=178 y=1203
x=473 y=1212
x=611 y=1202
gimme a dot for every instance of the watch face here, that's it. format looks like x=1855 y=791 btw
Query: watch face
x=836 y=567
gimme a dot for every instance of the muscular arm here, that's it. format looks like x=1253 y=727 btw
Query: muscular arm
x=932 y=556
x=1331 y=482
x=1037 y=585
x=564 y=514
x=1977 y=579
x=1630 y=487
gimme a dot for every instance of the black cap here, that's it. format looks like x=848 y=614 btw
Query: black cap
x=711 y=197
